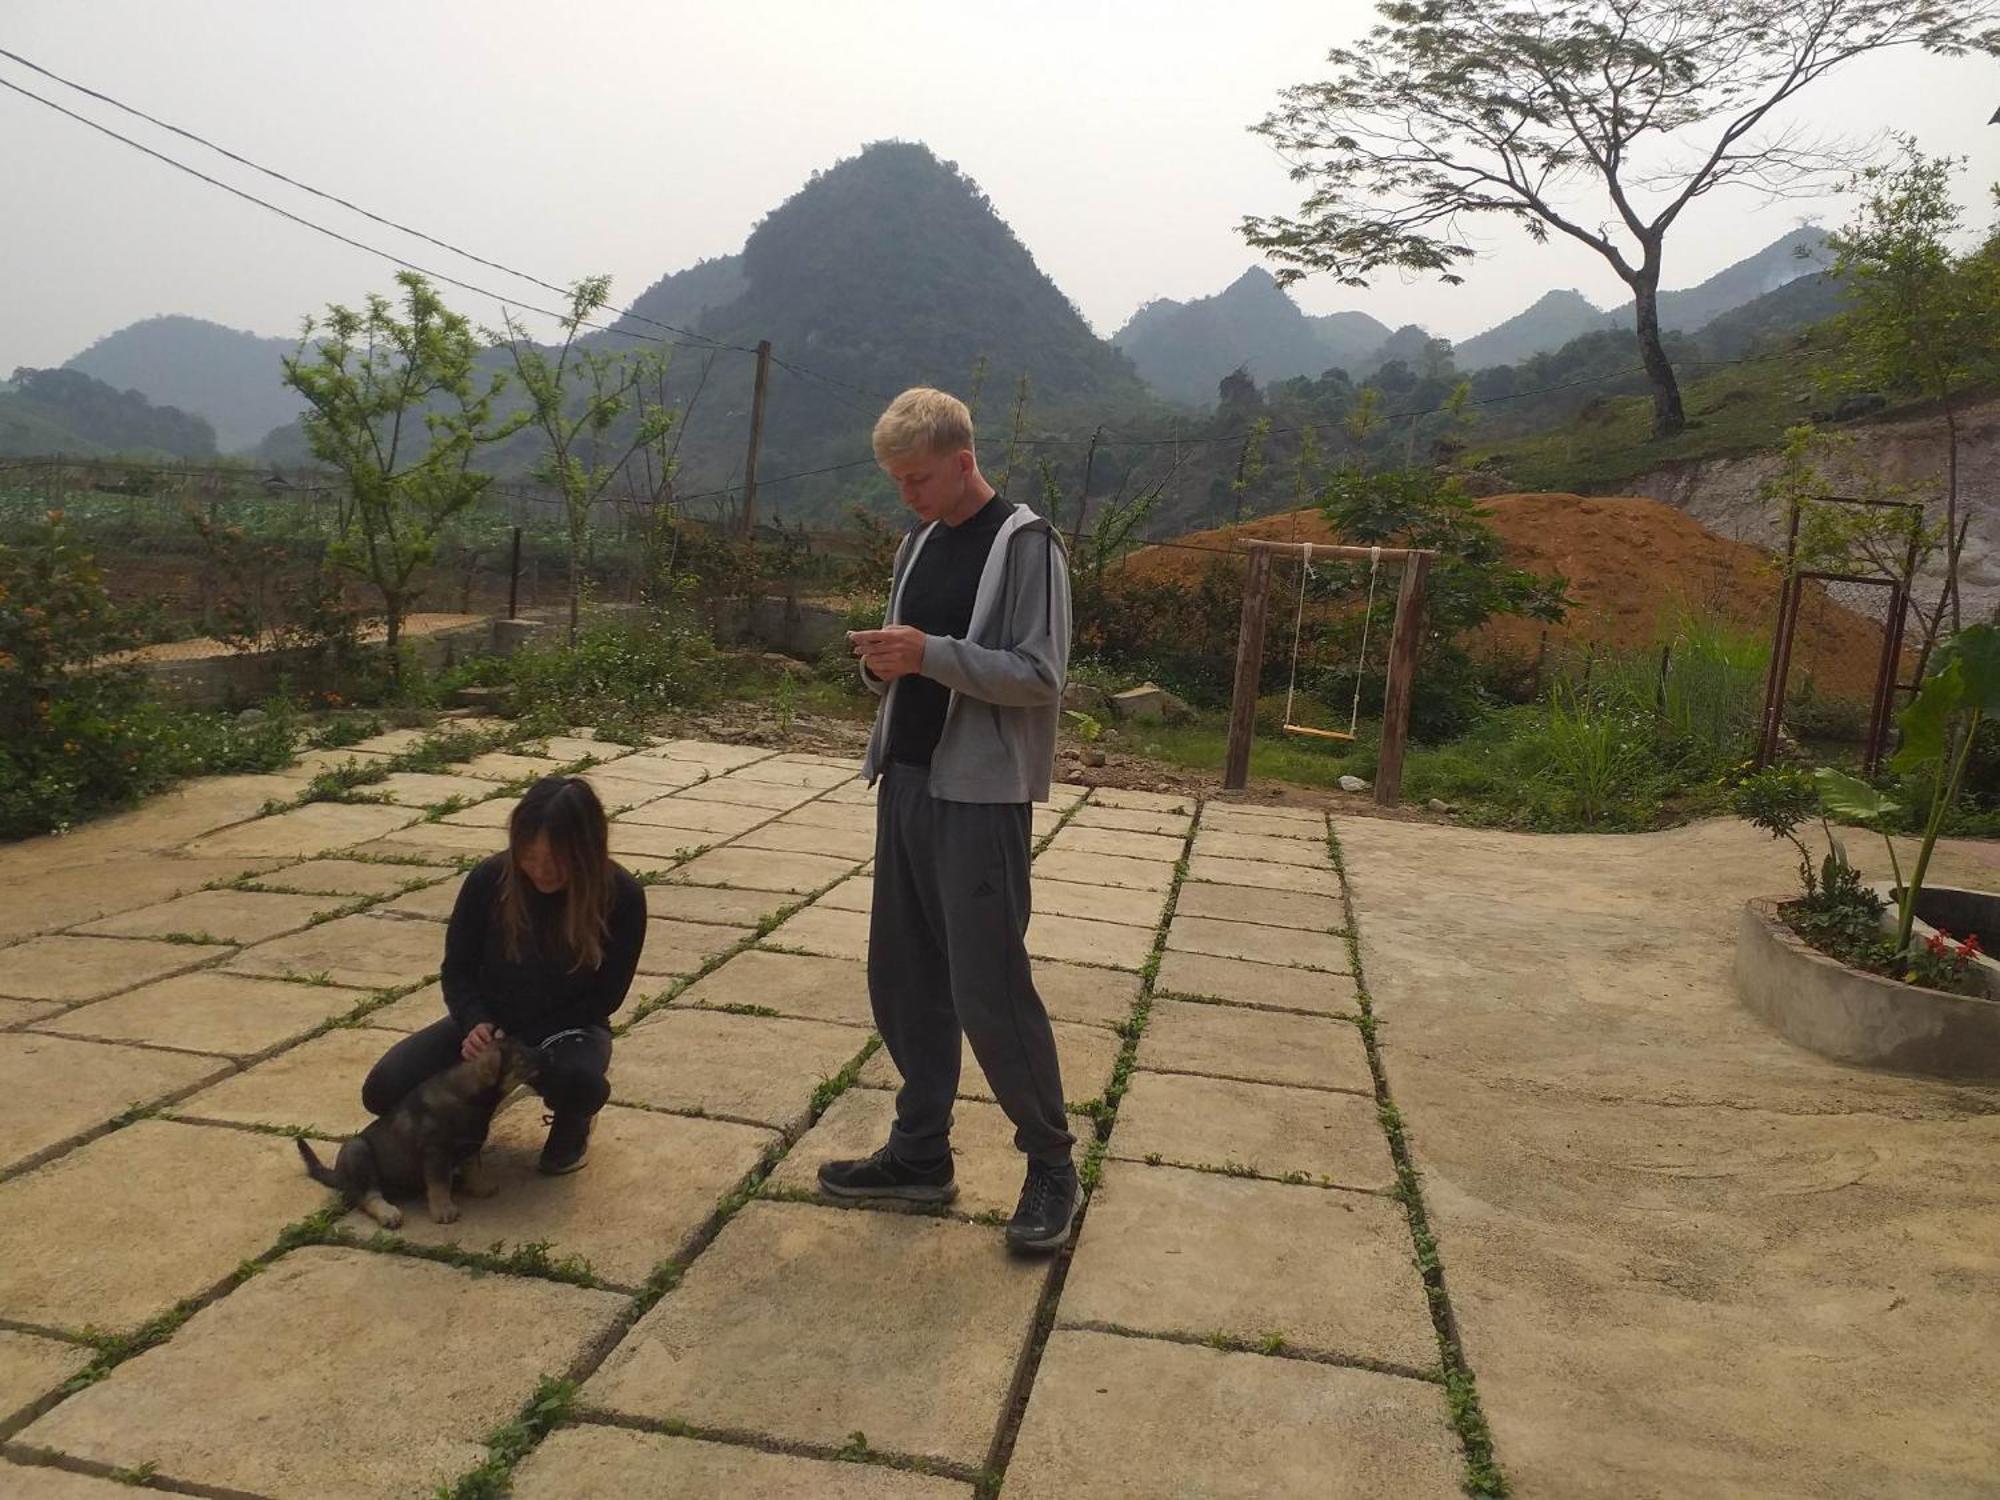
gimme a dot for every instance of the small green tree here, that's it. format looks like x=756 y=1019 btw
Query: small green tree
x=1921 y=319
x=397 y=407
x=580 y=400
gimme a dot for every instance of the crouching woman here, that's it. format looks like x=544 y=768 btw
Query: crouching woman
x=542 y=946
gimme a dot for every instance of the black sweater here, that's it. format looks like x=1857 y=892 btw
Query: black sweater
x=536 y=996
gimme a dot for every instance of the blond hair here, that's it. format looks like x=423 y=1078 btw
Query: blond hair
x=920 y=423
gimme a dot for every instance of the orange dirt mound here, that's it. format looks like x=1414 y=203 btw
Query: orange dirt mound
x=1631 y=564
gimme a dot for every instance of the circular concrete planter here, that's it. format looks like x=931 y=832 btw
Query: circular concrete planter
x=1854 y=1017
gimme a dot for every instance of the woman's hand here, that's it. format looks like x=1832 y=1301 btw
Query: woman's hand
x=477 y=1040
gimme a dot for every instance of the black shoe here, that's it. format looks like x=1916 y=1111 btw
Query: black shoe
x=1049 y=1201
x=887 y=1175
x=568 y=1145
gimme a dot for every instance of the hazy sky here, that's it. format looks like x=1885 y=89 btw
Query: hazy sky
x=636 y=136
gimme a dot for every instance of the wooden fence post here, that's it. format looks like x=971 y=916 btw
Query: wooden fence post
x=1249 y=668
x=1402 y=677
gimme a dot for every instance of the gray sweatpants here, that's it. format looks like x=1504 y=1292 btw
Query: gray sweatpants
x=947 y=955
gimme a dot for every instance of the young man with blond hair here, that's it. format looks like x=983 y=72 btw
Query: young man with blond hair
x=970 y=665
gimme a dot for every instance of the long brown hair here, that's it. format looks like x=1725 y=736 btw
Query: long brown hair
x=565 y=811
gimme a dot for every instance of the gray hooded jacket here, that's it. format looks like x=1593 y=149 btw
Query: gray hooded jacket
x=1006 y=677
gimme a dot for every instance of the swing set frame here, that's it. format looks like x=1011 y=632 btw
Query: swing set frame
x=1414 y=564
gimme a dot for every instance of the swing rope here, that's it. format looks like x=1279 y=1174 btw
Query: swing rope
x=1298 y=622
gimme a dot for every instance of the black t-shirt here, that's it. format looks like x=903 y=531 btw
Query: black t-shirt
x=937 y=599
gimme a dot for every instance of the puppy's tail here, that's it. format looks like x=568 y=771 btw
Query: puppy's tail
x=315 y=1168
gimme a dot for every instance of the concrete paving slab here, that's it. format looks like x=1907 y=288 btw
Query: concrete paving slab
x=413 y=1012
x=1266 y=815
x=764 y=1333
x=494 y=812
x=1161 y=802
x=1092 y=996
x=1263 y=1046
x=1132 y=820
x=345 y=877
x=305 y=832
x=411 y=1364
x=1246 y=903
x=1086 y=1054
x=616 y=1463
x=392 y=741
x=508 y=765
x=227 y=916
x=793 y=985
x=45 y=1482
x=434 y=903
x=428 y=788
x=620 y=793
x=716 y=905
x=230 y=1014
x=1174 y=1252
x=318 y=762
x=19 y=1012
x=736 y=792
x=316 y=1086
x=1259 y=1127
x=32 y=1367
x=59 y=881
x=568 y=748
x=678 y=948
x=1043 y=821
x=1104 y=869
x=1114 y=1417
x=1308 y=853
x=1217 y=818
x=725 y=818
x=653 y=1180
x=450 y=839
x=706 y=753
x=1080 y=840
x=1244 y=983
x=824 y=814
x=986 y=1164
x=69 y=969
x=846 y=843
x=1098 y=903
x=1079 y=940
x=1263 y=874
x=823 y=930
x=764 y=870
x=657 y=847
x=53 y=1089
x=118 y=1231
x=364 y=950
x=795 y=773
x=757 y=1068
x=856 y=792
x=856 y=893
x=1282 y=947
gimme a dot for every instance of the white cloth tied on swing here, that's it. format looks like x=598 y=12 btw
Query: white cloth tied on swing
x=1298 y=622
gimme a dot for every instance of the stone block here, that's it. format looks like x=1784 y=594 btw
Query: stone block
x=1141 y=801
x=1176 y=1252
x=779 y=772
x=716 y=905
x=824 y=930
x=1277 y=946
x=1114 y=1417
x=53 y=1089
x=413 y=1012
x=1094 y=997
x=69 y=969
x=716 y=757
x=764 y=870
x=32 y=1367
x=856 y=893
x=1274 y=822
x=773 y=1327
x=1092 y=841
x=652 y=1182
x=678 y=948
x=1086 y=1054
x=1256 y=1127
x=305 y=832
x=847 y=843
x=653 y=847
x=1131 y=820
x=1264 y=875
x=409 y=1365
x=1079 y=940
x=1104 y=869
x=315 y=1087
x=616 y=1463
x=1247 y=903
x=433 y=903
x=1098 y=903
x=1241 y=982
x=230 y=1014
x=724 y=818
x=429 y=788
x=824 y=814
x=364 y=950
x=227 y=916
x=1263 y=1046
x=1309 y=853
x=345 y=877
x=1149 y=703
x=759 y=1069
x=449 y=840
x=736 y=792
x=508 y=765
x=118 y=1231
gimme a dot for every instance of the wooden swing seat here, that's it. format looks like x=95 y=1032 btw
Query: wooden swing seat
x=1318 y=734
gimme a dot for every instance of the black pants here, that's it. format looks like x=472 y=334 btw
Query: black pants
x=947 y=955
x=573 y=1078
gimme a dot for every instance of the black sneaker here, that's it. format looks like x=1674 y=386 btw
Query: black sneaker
x=568 y=1145
x=1049 y=1201
x=887 y=1175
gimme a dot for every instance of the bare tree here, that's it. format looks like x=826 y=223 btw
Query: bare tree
x=1599 y=119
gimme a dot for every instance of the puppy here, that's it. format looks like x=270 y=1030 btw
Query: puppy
x=432 y=1134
